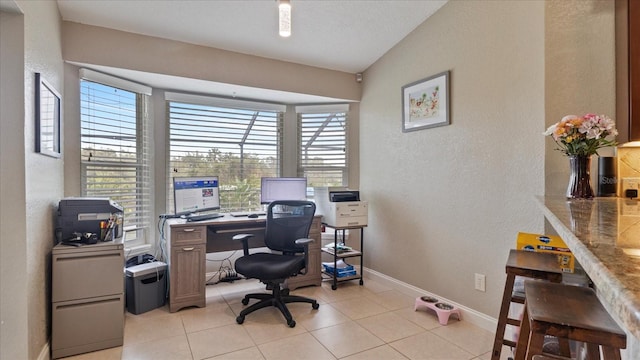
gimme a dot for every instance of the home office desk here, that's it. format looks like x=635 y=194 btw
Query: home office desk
x=189 y=242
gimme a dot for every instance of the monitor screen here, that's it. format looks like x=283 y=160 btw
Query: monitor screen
x=280 y=188
x=195 y=194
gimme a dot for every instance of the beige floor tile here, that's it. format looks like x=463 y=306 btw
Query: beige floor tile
x=251 y=353
x=114 y=353
x=386 y=327
x=359 y=307
x=220 y=340
x=469 y=337
x=390 y=327
x=346 y=339
x=375 y=286
x=313 y=292
x=153 y=328
x=345 y=291
x=173 y=348
x=325 y=316
x=155 y=313
x=215 y=299
x=429 y=346
x=385 y=352
x=426 y=320
x=196 y=319
x=393 y=300
x=304 y=346
x=268 y=324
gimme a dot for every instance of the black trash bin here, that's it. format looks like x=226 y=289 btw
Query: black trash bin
x=146 y=287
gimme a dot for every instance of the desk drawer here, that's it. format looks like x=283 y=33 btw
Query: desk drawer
x=189 y=235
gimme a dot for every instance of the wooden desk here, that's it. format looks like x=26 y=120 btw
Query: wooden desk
x=189 y=242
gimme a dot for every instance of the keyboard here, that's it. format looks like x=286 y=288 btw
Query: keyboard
x=203 y=217
x=241 y=214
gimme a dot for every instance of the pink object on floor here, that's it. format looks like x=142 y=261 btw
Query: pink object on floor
x=442 y=310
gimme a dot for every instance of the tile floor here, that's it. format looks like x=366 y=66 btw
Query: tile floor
x=353 y=322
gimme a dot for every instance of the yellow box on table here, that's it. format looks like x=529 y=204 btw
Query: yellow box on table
x=549 y=244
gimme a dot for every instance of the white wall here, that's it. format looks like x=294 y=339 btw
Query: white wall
x=36 y=182
x=579 y=74
x=447 y=202
x=13 y=230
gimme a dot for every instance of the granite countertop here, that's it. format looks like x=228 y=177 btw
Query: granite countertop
x=604 y=236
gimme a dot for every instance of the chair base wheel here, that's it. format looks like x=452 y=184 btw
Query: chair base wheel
x=315 y=306
x=291 y=323
x=240 y=319
x=245 y=301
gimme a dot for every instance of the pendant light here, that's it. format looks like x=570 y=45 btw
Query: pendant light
x=284 y=19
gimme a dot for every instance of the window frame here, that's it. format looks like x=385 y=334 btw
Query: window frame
x=315 y=111
x=138 y=204
x=244 y=107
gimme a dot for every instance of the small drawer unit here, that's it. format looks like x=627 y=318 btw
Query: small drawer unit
x=187 y=265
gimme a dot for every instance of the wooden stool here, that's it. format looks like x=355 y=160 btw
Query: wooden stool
x=528 y=264
x=568 y=312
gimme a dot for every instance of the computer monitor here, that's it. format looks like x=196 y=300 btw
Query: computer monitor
x=195 y=194
x=282 y=188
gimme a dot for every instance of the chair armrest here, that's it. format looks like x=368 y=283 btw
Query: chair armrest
x=305 y=243
x=245 y=241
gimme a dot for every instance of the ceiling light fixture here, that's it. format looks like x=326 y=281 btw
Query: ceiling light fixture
x=284 y=19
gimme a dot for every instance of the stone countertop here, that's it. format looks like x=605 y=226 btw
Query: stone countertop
x=604 y=236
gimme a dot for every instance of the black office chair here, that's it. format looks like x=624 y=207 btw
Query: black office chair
x=287 y=232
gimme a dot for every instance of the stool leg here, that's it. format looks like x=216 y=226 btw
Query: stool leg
x=536 y=341
x=525 y=333
x=565 y=349
x=593 y=351
x=611 y=353
x=502 y=318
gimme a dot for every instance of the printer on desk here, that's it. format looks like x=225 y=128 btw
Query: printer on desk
x=85 y=214
x=341 y=207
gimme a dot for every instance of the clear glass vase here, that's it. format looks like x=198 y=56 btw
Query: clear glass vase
x=579 y=178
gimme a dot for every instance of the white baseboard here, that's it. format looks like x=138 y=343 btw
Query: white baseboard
x=45 y=353
x=477 y=318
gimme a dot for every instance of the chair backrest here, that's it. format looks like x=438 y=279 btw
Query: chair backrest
x=288 y=221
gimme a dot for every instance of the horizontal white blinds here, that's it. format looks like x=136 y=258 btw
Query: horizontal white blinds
x=238 y=145
x=114 y=160
x=323 y=148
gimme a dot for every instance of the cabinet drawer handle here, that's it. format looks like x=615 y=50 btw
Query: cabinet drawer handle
x=188 y=230
x=188 y=249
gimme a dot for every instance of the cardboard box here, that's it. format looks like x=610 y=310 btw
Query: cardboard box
x=549 y=244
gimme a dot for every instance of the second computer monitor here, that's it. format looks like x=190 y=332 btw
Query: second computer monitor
x=282 y=188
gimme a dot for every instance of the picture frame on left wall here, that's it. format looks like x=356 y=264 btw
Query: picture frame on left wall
x=48 y=111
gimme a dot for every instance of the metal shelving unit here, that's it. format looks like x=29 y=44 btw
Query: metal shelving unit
x=337 y=255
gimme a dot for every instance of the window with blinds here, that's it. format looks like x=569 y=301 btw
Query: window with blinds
x=322 y=133
x=114 y=156
x=239 y=144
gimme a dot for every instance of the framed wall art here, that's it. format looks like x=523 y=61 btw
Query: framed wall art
x=48 y=116
x=425 y=103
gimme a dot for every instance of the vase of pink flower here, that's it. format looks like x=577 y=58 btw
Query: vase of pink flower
x=580 y=137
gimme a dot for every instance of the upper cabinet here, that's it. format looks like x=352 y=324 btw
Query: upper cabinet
x=628 y=69
x=633 y=7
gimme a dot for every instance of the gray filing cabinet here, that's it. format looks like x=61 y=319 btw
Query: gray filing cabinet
x=87 y=311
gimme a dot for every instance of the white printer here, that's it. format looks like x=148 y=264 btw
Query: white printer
x=341 y=207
